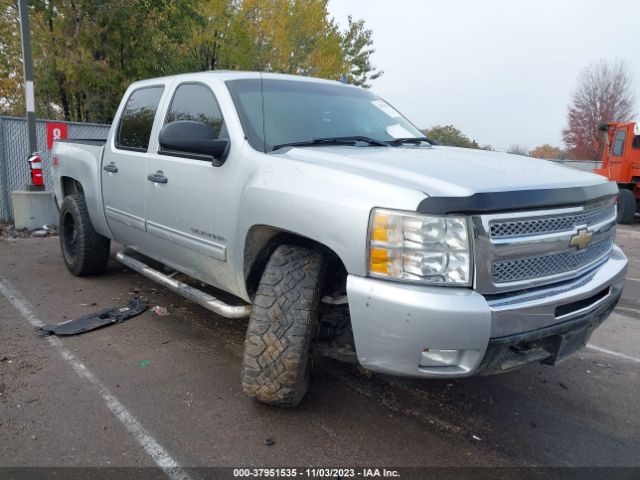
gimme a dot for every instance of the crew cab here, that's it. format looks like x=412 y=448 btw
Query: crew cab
x=321 y=213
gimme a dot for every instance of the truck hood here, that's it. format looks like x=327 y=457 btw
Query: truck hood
x=445 y=171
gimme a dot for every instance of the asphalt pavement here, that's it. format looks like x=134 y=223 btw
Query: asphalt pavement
x=165 y=391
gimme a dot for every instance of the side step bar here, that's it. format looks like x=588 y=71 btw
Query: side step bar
x=201 y=298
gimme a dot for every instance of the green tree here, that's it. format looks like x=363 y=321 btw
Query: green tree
x=86 y=52
x=451 y=136
x=11 y=93
x=357 y=44
x=211 y=33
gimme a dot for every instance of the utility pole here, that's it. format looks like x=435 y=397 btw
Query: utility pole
x=28 y=76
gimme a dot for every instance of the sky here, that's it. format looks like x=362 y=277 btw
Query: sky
x=501 y=71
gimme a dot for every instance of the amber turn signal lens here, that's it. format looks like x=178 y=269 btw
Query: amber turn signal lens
x=380 y=228
x=379 y=262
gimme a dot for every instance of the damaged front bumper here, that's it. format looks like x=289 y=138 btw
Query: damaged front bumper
x=93 y=321
x=419 y=331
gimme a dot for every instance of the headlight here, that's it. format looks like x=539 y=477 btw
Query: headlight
x=419 y=248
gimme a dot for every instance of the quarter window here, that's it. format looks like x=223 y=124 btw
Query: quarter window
x=196 y=102
x=618 y=143
x=137 y=119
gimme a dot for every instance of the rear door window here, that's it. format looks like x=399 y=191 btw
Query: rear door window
x=618 y=143
x=137 y=119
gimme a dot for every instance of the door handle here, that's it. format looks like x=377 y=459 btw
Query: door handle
x=110 y=167
x=157 y=177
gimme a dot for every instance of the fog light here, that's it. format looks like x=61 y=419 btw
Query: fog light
x=440 y=358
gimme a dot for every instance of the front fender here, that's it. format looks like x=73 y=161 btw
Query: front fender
x=312 y=201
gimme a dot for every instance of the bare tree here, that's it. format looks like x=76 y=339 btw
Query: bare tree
x=604 y=94
x=518 y=150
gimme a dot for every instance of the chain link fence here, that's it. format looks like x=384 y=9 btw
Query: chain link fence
x=14 y=152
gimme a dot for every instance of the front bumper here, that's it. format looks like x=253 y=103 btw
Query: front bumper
x=394 y=323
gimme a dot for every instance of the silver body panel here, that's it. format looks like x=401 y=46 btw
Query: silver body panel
x=203 y=222
x=82 y=163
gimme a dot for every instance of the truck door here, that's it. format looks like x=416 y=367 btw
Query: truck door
x=124 y=166
x=190 y=202
x=618 y=167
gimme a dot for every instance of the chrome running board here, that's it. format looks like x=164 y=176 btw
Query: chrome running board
x=201 y=298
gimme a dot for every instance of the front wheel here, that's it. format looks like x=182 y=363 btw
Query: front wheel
x=85 y=252
x=626 y=207
x=284 y=319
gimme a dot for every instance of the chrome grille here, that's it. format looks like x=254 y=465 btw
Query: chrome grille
x=538 y=226
x=522 y=250
x=549 y=265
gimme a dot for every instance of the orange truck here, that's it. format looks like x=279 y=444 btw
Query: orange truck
x=621 y=164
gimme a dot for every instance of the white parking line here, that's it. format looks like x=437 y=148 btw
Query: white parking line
x=150 y=445
x=612 y=353
x=634 y=279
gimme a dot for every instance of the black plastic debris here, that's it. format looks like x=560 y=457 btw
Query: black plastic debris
x=95 y=320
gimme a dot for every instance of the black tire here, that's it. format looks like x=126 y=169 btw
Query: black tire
x=284 y=320
x=84 y=251
x=626 y=207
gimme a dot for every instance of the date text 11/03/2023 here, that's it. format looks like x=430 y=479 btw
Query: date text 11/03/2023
x=315 y=473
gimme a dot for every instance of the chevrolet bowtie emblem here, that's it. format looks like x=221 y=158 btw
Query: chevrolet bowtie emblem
x=581 y=239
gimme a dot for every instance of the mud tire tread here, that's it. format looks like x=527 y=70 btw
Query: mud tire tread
x=283 y=321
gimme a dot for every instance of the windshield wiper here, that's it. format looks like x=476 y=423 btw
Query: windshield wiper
x=350 y=140
x=401 y=141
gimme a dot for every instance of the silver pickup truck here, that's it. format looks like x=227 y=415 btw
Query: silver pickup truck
x=318 y=211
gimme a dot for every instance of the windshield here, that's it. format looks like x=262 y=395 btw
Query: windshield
x=302 y=111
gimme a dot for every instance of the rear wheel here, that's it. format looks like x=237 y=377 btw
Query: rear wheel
x=284 y=320
x=85 y=252
x=626 y=207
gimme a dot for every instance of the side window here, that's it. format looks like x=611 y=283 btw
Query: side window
x=196 y=102
x=636 y=142
x=618 y=143
x=137 y=119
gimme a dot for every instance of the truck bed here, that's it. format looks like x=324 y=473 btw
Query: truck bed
x=84 y=141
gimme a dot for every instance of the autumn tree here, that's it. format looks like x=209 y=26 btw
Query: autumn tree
x=546 y=151
x=211 y=33
x=604 y=94
x=450 y=136
x=286 y=36
x=86 y=52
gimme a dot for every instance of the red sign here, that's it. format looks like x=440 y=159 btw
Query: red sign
x=55 y=131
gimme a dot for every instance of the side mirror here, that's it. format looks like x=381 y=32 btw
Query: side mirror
x=193 y=137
